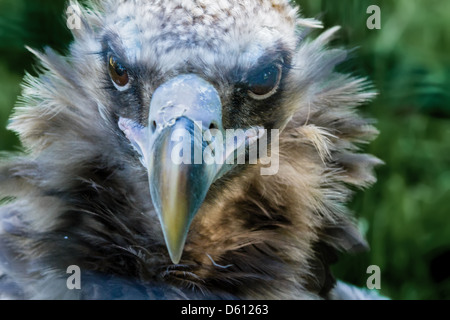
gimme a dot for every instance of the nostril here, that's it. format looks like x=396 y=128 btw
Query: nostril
x=213 y=125
x=153 y=126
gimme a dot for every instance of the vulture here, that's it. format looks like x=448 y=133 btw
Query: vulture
x=128 y=173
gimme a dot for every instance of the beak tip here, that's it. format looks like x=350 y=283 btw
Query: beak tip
x=175 y=259
x=175 y=239
x=175 y=253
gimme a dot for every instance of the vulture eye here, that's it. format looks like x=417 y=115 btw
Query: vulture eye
x=264 y=84
x=118 y=74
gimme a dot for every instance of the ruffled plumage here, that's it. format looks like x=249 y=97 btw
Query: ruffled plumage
x=78 y=195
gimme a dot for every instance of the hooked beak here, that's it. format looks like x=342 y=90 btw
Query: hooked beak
x=172 y=150
x=177 y=189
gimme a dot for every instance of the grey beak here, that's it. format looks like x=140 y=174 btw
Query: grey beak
x=182 y=110
x=184 y=107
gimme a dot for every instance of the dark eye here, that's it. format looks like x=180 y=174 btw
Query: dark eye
x=118 y=73
x=265 y=83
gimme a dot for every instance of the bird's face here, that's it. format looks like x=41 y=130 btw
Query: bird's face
x=178 y=76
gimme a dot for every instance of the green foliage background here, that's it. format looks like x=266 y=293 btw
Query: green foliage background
x=404 y=216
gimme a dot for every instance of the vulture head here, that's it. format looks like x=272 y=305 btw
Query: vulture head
x=185 y=148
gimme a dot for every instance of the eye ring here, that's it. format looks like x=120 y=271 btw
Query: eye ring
x=118 y=73
x=265 y=83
